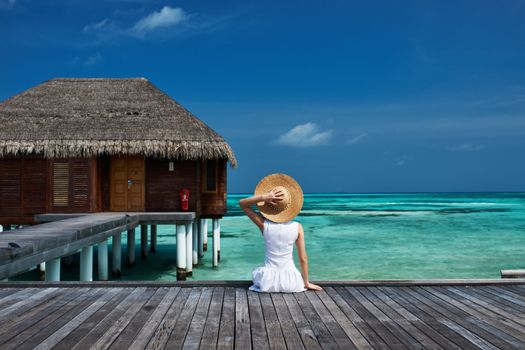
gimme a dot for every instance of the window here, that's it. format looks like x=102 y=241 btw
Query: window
x=61 y=184
x=210 y=176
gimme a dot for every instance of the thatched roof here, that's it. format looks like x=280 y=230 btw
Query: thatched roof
x=89 y=117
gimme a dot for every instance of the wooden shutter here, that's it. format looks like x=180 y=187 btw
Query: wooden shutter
x=10 y=189
x=61 y=184
x=79 y=169
x=34 y=184
x=210 y=173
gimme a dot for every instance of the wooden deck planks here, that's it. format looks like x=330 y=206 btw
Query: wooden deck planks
x=342 y=317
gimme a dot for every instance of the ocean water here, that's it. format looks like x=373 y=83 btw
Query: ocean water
x=367 y=236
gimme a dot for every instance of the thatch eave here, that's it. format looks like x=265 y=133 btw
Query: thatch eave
x=179 y=150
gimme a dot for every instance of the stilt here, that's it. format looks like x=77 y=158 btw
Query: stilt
x=181 y=252
x=103 y=260
x=205 y=235
x=189 y=248
x=200 y=238
x=42 y=271
x=153 y=242
x=116 y=268
x=195 y=231
x=86 y=264
x=143 y=242
x=53 y=270
x=131 y=247
x=214 y=242
x=219 y=240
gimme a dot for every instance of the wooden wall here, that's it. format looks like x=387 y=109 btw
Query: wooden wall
x=26 y=187
x=214 y=203
x=163 y=186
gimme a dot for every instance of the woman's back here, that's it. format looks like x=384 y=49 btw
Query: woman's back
x=279 y=239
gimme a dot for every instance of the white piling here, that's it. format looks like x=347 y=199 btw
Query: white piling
x=53 y=270
x=116 y=248
x=215 y=239
x=205 y=235
x=131 y=247
x=86 y=264
x=189 y=248
x=103 y=260
x=143 y=242
x=200 y=238
x=153 y=242
x=42 y=271
x=181 y=252
x=195 y=231
x=219 y=240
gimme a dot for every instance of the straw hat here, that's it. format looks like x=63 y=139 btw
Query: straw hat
x=292 y=199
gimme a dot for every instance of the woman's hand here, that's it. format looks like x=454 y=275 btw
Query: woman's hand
x=274 y=196
x=312 y=286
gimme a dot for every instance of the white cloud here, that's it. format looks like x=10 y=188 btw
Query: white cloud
x=400 y=161
x=466 y=147
x=166 y=17
x=7 y=3
x=357 y=139
x=103 y=25
x=305 y=135
x=93 y=59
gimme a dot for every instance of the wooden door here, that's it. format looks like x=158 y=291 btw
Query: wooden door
x=127 y=185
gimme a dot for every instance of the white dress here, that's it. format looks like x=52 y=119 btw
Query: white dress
x=279 y=273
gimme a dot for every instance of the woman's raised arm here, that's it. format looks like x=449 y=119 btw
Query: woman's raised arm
x=303 y=260
x=246 y=204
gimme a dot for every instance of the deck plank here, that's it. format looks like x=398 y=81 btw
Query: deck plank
x=169 y=321
x=38 y=332
x=155 y=319
x=127 y=336
x=304 y=328
x=259 y=334
x=290 y=333
x=273 y=327
x=243 y=338
x=226 y=338
x=213 y=321
x=193 y=338
x=182 y=326
x=220 y=316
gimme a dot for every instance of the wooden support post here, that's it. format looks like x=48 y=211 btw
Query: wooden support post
x=153 y=242
x=200 y=238
x=195 y=231
x=86 y=264
x=143 y=242
x=215 y=239
x=116 y=267
x=53 y=270
x=181 y=251
x=205 y=235
x=189 y=248
x=103 y=260
x=219 y=240
x=131 y=247
x=42 y=271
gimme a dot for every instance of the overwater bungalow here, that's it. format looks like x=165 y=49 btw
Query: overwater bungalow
x=81 y=145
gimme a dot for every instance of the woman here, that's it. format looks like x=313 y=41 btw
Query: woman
x=279 y=199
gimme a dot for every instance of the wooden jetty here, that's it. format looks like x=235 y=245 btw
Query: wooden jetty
x=226 y=315
x=67 y=234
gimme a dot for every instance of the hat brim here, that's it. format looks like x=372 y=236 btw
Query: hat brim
x=296 y=197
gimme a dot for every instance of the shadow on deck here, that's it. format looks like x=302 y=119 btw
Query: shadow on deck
x=225 y=315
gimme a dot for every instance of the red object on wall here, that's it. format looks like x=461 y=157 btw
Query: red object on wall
x=184 y=196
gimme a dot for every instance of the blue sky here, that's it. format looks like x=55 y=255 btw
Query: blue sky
x=382 y=96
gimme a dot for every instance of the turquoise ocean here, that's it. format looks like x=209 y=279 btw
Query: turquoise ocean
x=367 y=236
